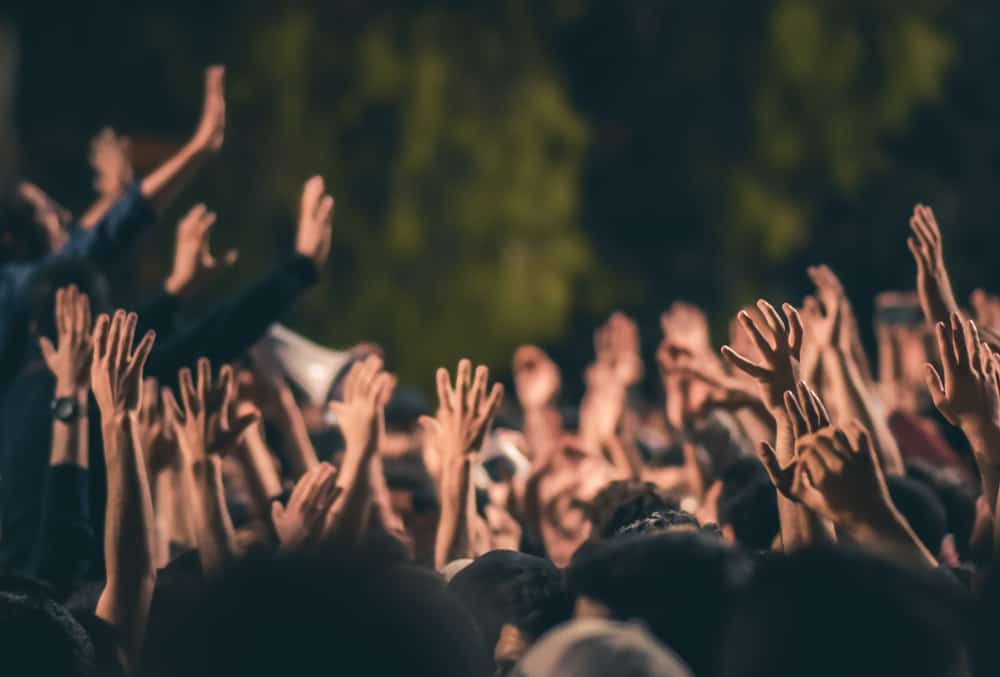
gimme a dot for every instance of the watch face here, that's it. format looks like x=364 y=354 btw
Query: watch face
x=64 y=409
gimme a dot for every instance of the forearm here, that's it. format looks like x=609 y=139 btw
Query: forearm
x=454 y=538
x=163 y=512
x=984 y=438
x=888 y=530
x=96 y=211
x=542 y=430
x=161 y=186
x=352 y=508
x=128 y=539
x=799 y=526
x=299 y=448
x=262 y=477
x=216 y=537
x=69 y=439
x=853 y=401
x=624 y=457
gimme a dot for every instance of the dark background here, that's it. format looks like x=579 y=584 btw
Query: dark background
x=513 y=171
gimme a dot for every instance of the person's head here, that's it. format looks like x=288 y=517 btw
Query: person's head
x=921 y=508
x=39 y=636
x=621 y=503
x=414 y=499
x=31 y=223
x=843 y=612
x=679 y=584
x=514 y=597
x=748 y=509
x=346 y=611
x=666 y=522
x=598 y=647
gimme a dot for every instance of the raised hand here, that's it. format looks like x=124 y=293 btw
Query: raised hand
x=779 y=350
x=211 y=129
x=967 y=395
x=109 y=158
x=617 y=342
x=115 y=368
x=302 y=520
x=933 y=283
x=204 y=427
x=315 y=222
x=69 y=358
x=536 y=378
x=193 y=259
x=838 y=476
x=48 y=214
x=685 y=327
x=361 y=415
x=465 y=410
x=807 y=415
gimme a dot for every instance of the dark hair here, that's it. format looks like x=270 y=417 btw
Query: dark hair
x=408 y=473
x=751 y=509
x=621 y=503
x=659 y=522
x=290 y=615
x=39 y=636
x=679 y=584
x=506 y=587
x=21 y=239
x=893 y=621
x=958 y=499
x=921 y=508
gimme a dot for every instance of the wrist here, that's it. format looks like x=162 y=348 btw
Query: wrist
x=70 y=387
x=176 y=285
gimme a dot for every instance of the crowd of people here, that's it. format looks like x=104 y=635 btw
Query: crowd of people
x=172 y=503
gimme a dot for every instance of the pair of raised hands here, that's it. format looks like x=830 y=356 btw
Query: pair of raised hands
x=194 y=264
x=310 y=517
x=107 y=359
x=835 y=471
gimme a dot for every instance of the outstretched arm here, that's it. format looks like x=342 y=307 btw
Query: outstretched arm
x=206 y=431
x=464 y=416
x=237 y=325
x=116 y=379
x=853 y=397
x=120 y=226
x=775 y=376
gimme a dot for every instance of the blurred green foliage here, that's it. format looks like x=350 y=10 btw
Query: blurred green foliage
x=510 y=171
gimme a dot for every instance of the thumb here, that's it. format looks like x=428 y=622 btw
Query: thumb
x=429 y=424
x=277 y=511
x=48 y=350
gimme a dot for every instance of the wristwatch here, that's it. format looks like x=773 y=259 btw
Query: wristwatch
x=65 y=409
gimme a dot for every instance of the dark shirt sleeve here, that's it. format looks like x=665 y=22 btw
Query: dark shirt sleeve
x=117 y=231
x=66 y=549
x=235 y=325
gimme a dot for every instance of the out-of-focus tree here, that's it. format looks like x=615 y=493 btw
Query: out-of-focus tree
x=455 y=158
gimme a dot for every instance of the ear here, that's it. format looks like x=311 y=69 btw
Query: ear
x=728 y=535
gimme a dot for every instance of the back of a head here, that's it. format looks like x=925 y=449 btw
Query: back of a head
x=599 y=647
x=330 y=615
x=506 y=587
x=668 y=521
x=842 y=612
x=38 y=636
x=679 y=584
x=622 y=502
